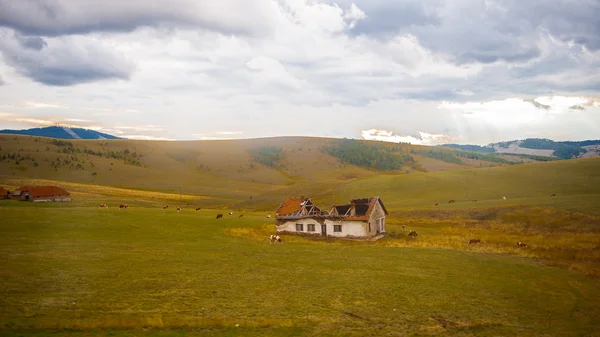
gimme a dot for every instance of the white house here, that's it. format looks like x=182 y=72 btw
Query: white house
x=360 y=218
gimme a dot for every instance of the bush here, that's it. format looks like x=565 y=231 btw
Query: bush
x=267 y=155
x=375 y=155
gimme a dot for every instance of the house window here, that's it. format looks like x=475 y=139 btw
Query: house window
x=299 y=227
x=337 y=228
x=310 y=228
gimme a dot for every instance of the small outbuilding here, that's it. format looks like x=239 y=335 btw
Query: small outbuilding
x=41 y=194
x=360 y=218
x=4 y=194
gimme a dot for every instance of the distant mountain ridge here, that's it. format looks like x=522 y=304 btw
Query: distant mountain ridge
x=537 y=147
x=61 y=133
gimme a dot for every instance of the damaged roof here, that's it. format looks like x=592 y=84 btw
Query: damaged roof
x=291 y=205
x=362 y=208
x=357 y=209
x=298 y=207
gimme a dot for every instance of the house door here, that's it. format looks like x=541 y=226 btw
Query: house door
x=324 y=230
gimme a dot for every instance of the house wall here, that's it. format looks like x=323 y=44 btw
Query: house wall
x=377 y=213
x=50 y=198
x=349 y=228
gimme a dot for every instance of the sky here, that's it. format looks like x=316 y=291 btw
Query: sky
x=420 y=71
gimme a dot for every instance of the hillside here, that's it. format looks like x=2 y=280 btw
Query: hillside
x=225 y=167
x=244 y=173
x=536 y=147
x=61 y=133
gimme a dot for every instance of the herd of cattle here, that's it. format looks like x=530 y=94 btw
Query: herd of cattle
x=277 y=238
x=475 y=200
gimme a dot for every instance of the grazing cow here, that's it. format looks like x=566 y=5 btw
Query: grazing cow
x=103 y=206
x=165 y=206
x=521 y=244
x=403 y=227
x=503 y=197
x=269 y=216
x=275 y=239
x=451 y=201
x=472 y=241
x=198 y=208
x=178 y=209
x=241 y=216
x=123 y=206
x=219 y=216
x=230 y=213
x=436 y=204
x=412 y=234
x=553 y=194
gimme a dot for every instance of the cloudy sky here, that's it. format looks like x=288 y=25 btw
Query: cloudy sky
x=424 y=71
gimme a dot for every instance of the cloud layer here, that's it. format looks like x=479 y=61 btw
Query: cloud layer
x=472 y=71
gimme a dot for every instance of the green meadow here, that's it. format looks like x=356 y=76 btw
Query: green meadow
x=73 y=269
x=147 y=270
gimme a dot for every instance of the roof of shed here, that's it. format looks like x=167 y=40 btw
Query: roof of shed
x=38 y=191
x=3 y=191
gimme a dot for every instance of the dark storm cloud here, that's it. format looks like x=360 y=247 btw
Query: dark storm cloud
x=65 y=17
x=33 y=42
x=483 y=31
x=65 y=63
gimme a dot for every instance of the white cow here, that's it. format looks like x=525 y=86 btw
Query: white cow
x=275 y=239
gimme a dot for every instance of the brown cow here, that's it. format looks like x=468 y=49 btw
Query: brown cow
x=241 y=216
x=451 y=201
x=103 y=206
x=198 y=208
x=403 y=227
x=219 y=216
x=123 y=206
x=412 y=234
x=521 y=244
x=165 y=206
x=474 y=241
x=553 y=194
x=178 y=209
x=436 y=204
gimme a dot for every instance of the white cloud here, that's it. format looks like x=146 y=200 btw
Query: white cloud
x=422 y=138
x=295 y=67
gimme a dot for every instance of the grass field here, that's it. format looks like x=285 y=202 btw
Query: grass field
x=74 y=269
x=92 y=269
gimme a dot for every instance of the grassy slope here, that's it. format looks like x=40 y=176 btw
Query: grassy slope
x=201 y=167
x=89 y=268
x=576 y=183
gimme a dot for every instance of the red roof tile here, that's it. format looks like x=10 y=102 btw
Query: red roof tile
x=39 y=191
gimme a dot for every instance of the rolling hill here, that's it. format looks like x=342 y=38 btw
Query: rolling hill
x=256 y=173
x=61 y=133
x=536 y=147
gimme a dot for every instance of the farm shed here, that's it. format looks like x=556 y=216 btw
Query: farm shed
x=4 y=194
x=41 y=194
x=360 y=218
